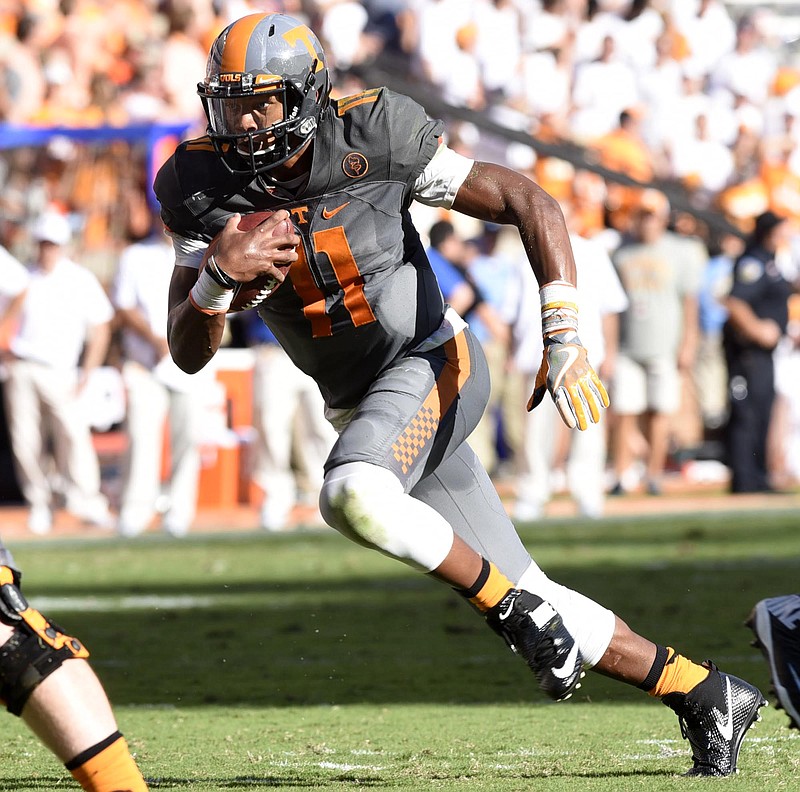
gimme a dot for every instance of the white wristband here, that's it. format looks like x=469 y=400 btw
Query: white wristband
x=208 y=296
x=559 y=301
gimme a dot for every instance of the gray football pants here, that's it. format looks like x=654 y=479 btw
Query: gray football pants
x=414 y=421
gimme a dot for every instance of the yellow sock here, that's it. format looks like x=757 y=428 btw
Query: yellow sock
x=107 y=767
x=680 y=675
x=490 y=587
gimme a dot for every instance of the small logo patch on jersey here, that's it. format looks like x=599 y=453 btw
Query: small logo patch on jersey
x=355 y=165
x=329 y=213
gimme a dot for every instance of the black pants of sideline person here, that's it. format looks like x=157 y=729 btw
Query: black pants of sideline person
x=751 y=389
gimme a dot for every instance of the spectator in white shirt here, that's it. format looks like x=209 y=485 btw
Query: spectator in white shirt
x=62 y=336
x=157 y=391
x=602 y=90
x=437 y=23
x=705 y=165
x=748 y=70
x=708 y=30
x=660 y=88
x=497 y=21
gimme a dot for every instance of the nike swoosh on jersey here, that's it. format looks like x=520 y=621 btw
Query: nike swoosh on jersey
x=568 y=666
x=328 y=214
x=725 y=725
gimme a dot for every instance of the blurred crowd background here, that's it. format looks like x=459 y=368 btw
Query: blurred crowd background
x=685 y=111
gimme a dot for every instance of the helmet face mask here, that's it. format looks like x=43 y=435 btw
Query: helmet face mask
x=266 y=86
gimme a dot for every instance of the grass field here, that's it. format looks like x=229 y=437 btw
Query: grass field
x=300 y=661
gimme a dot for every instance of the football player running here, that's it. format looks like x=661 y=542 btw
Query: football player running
x=403 y=379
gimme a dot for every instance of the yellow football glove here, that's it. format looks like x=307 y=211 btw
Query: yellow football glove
x=575 y=387
x=565 y=371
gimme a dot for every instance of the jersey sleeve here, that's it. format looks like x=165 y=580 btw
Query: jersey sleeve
x=413 y=137
x=440 y=180
x=167 y=189
x=177 y=223
x=181 y=186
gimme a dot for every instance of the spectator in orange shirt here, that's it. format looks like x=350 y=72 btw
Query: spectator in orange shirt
x=623 y=149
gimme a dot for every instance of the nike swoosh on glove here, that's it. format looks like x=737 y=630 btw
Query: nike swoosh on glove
x=575 y=387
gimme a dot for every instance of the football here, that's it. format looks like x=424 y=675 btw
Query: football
x=251 y=294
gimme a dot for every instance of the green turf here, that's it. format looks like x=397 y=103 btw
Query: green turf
x=300 y=661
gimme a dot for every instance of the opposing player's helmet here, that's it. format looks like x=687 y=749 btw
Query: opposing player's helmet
x=269 y=54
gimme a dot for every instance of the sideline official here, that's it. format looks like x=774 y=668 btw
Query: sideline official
x=757 y=318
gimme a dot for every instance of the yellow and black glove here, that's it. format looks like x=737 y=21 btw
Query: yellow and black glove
x=566 y=372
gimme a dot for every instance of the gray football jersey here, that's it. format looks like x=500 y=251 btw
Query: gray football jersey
x=362 y=292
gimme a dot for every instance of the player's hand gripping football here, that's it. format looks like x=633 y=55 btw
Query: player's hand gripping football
x=262 y=243
x=245 y=262
x=565 y=372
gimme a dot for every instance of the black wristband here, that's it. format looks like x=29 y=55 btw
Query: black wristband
x=219 y=275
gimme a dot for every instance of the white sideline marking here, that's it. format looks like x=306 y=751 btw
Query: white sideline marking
x=347 y=767
x=776 y=739
x=666 y=751
x=133 y=602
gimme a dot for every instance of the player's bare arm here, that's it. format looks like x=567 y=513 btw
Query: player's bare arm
x=193 y=337
x=498 y=195
x=194 y=333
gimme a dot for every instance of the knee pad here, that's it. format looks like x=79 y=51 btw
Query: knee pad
x=367 y=504
x=36 y=648
x=348 y=498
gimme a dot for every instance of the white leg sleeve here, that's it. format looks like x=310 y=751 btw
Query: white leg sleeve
x=366 y=503
x=591 y=625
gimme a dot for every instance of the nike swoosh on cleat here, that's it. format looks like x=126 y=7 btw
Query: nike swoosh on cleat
x=329 y=214
x=568 y=666
x=725 y=725
x=506 y=613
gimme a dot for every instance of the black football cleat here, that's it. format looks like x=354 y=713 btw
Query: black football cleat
x=715 y=716
x=533 y=630
x=776 y=625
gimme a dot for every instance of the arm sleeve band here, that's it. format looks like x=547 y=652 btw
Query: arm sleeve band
x=439 y=183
